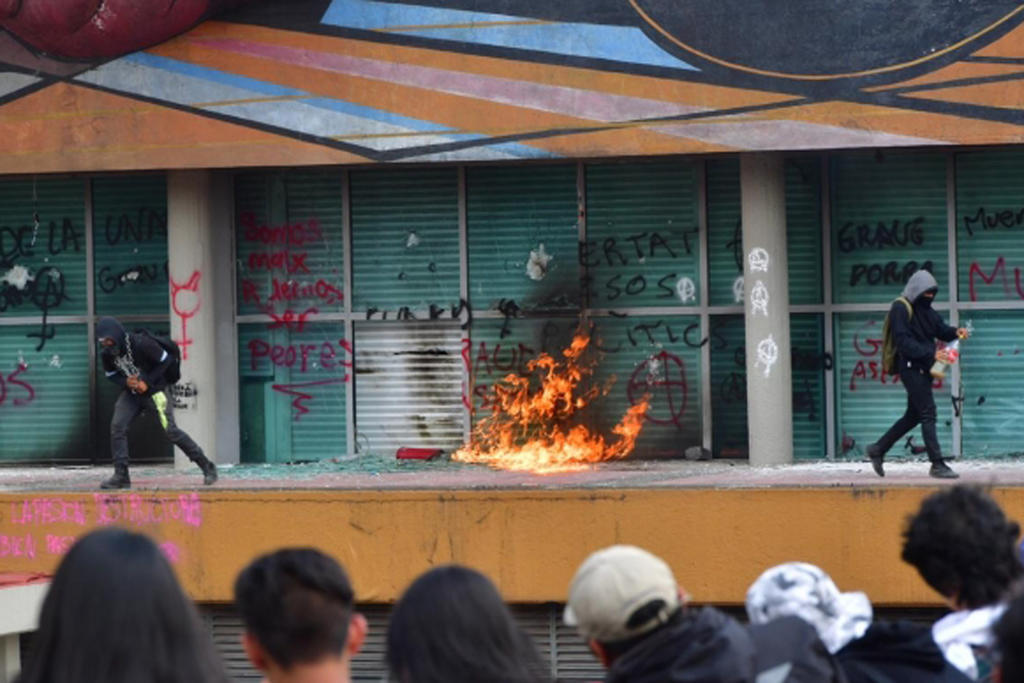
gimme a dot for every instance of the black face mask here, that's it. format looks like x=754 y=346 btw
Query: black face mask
x=926 y=301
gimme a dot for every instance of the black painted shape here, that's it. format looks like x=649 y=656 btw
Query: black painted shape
x=819 y=37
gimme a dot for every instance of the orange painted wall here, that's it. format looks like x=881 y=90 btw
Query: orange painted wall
x=530 y=541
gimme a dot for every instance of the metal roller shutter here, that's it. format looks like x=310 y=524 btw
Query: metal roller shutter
x=888 y=219
x=130 y=238
x=990 y=224
x=807 y=338
x=992 y=367
x=292 y=392
x=512 y=212
x=803 y=230
x=408 y=386
x=643 y=238
x=646 y=355
x=44 y=395
x=725 y=233
x=42 y=269
x=868 y=402
x=729 y=436
x=405 y=238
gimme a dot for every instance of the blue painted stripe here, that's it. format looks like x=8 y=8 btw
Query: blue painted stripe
x=273 y=90
x=597 y=41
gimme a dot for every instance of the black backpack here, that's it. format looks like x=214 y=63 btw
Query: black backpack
x=173 y=372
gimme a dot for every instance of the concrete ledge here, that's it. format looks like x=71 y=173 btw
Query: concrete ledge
x=717 y=535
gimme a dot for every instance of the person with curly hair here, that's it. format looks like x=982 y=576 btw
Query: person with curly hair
x=965 y=548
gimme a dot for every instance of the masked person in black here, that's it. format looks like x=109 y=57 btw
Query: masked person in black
x=138 y=364
x=914 y=329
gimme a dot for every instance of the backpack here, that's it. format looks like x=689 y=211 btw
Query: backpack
x=889 y=350
x=173 y=372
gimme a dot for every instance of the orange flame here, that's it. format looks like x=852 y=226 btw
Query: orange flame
x=529 y=428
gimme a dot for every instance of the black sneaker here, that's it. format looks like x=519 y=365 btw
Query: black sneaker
x=940 y=470
x=875 y=455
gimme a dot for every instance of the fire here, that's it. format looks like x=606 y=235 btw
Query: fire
x=531 y=427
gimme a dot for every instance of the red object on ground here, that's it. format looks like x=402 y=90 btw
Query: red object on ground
x=417 y=453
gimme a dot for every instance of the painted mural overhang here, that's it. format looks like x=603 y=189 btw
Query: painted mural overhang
x=86 y=85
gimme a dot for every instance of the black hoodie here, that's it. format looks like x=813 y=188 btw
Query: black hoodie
x=897 y=652
x=708 y=646
x=138 y=348
x=915 y=335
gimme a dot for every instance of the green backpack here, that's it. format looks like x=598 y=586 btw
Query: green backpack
x=889 y=351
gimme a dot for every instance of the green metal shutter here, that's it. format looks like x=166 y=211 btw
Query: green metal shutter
x=725 y=232
x=293 y=392
x=130 y=240
x=643 y=236
x=803 y=230
x=513 y=211
x=408 y=384
x=729 y=431
x=990 y=224
x=289 y=245
x=42 y=270
x=44 y=395
x=807 y=339
x=868 y=402
x=992 y=367
x=405 y=238
x=290 y=263
x=888 y=219
x=650 y=356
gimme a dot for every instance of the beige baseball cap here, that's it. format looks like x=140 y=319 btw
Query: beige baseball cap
x=611 y=585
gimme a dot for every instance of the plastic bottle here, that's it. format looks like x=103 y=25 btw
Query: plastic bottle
x=953 y=351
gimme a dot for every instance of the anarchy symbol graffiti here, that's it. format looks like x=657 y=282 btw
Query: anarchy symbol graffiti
x=758 y=259
x=686 y=290
x=737 y=289
x=767 y=354
x=662 y=379
x=759 y=298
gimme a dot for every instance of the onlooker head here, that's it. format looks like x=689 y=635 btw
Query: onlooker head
x=1010 y=643
x=964 y=547
x=452 y=625
x=628 y=606
x=618 y=595
x=803 y=590
x=115 y=613
x=297 y=607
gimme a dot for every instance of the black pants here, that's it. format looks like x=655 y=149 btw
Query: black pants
x=129 y=406
x=920 y=410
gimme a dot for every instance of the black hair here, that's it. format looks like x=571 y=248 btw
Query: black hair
x=964 y=547
x=115 y=613
x=297 y=603
x=1009 y=632
x=452 y=625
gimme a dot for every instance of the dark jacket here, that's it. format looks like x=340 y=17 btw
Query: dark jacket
x=789 y=649
x=132 y=348
x=915 y=335
x=706 y=646
x=895 y=652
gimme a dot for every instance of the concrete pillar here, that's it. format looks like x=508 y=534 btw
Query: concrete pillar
x=200 y=264
x=765 y=277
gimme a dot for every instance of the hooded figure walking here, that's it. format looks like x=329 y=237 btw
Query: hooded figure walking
x=138 y=364
x=914 y=332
